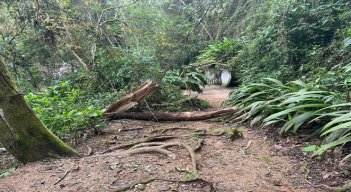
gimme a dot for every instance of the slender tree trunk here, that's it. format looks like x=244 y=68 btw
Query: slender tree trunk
x=21 y=132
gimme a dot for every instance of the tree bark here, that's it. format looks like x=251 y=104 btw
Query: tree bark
x=133 y=98
x=163 y=116
x=80 y=60
x=21 y=132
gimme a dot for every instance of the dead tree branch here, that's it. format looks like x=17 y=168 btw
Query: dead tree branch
x=132 y=99
x=60 y=179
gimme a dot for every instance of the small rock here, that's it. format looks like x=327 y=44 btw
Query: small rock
x=167 y=188
x=326 y=176
x=140 y=187
x=62 y=186
x=219 y=145
x=277 y=182
x=2 y=150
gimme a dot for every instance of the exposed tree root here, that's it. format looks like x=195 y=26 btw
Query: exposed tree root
x=164 y=116
x=345 y=188
x=167 y=137
x=152 y=179
x=147 y=145
x=164 y=130
x=158 y=147
x=200 y=143
x=131 y=129
x=147 y=139
x=248 y=145
x=89 y=152
x=152 y=149
x=231 y=133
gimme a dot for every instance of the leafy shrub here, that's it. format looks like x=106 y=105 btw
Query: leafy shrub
x=293 y=106
x=283 y=39
x=64 y=110
x=8 y=172
x=186 y=78
x=221 y=51
x=272 y=102
x=167 y=98
x=170 y=98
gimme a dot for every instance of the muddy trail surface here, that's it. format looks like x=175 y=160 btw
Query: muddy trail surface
x=223 y=162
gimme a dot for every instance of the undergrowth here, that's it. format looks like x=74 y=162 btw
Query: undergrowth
x=294 y=106
x=71 y=112
x=66 y=111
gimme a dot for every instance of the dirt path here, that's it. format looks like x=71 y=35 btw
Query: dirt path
x=214 y=94
x=246 y=164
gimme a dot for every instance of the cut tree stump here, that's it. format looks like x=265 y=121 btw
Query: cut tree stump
x=164 y=116
x=133 y=98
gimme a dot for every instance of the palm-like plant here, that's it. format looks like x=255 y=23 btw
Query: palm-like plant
x=292 y=106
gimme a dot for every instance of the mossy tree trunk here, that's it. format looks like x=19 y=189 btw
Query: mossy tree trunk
x=21 y=132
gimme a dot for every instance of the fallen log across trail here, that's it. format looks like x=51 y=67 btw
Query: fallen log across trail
x=118 y=109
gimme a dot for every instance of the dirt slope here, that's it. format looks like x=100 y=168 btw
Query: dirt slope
x=246 y=164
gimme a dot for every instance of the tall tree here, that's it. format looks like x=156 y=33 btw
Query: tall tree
x=21 y=132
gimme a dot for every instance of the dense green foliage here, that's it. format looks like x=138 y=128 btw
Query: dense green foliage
x=187 y=78
x=100 y=46
x=104 y=49
x=64 y=111
x=285 y=39
x=294 y=106
x=292 y=58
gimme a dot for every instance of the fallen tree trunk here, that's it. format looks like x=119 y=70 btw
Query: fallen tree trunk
x=117 y=110
x=164 y=116
x=132 y=98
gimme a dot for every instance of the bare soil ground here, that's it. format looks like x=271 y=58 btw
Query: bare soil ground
x=252 y=163
x=214 y=94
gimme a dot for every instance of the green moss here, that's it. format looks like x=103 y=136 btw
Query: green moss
x=7 y=87
x=22 y=133
x=33 y=140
